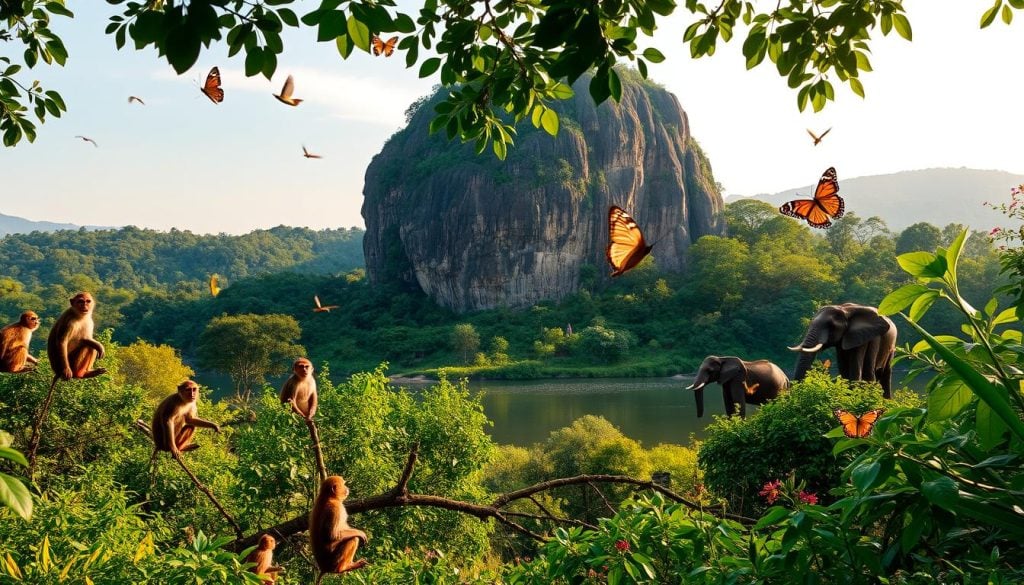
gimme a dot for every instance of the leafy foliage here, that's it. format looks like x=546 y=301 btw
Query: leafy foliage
x=250 y=347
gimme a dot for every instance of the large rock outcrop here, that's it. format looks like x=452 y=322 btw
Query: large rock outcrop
x=474 y=232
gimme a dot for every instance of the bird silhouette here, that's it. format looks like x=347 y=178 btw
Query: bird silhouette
x=132 y=98
x=817 y=138
x=321 y=308
x=751 y=389
x=87 y=139
x=308 y=154
x=286 y=93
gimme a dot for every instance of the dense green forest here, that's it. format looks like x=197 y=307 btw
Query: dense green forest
x=748 y=294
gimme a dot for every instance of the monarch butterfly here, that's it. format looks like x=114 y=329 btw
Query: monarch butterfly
x=626 y=246
x=320 y=308
x=826 y=202
x=214 y=286
x=212 y=88
x=380 y=46
x=858 y=427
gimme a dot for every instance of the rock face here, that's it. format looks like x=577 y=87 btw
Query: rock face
x=475 y=233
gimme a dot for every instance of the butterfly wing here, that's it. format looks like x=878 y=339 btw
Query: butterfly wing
x=389 y=46
x=849 y=422
x=626 y=246
x=866 y=421
x=377 y=45
x=826 y=195
x=212 y=88
x=214 y=285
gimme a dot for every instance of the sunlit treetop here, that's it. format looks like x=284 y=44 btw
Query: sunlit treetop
x=502 y=60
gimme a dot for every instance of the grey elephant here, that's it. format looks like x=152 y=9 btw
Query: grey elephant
x=865 y=343
x=755 y=382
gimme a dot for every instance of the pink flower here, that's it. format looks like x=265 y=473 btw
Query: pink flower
x=771 y=491
x=621 y=545
x=807 y=497
x=994 y=231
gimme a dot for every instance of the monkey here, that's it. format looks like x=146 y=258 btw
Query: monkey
x=333 y=541
x=300 y=389
x=71 y=348
x=263 y=556
x=176 y=419
x=14 y=340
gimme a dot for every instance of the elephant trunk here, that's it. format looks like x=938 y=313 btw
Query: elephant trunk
x=808 y=349
x=698 y=390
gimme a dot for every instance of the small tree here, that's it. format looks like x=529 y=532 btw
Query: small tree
x=249 y=348
x=157 y=368
x=465 y=340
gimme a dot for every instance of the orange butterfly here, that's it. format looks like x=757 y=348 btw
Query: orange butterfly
x=626 y=245
x=214 y=285
x=826 y=202
x=320 y=308
x=386 y=47
x=825 y=365
x=858 y=427
x=212 y=88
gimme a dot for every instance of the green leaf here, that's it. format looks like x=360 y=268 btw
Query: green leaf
x=922 y=304
x=771 y=517
x=942 y=492
x=614 y=85
x=500 y=150
x=344 y=46
x=561 y=91
x=1007 y=316
x=922 y=264
x=990 y=14
x=902 y=26
x=182 y=46
x=59 y=8
x=990 y=428
x=653 y=55
x=359 y=33
x=430 y=66
x=13 y=455
x=900 y=298
x=953 y=254
x=253 y=61
x=15 y=496
x=864 y=476
x=948 y=399
x=549 y=120
x=288 y=17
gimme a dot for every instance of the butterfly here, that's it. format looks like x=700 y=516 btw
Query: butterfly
x=322 y=309
x=87 y=139
x=817 y=138
x=286 y=93
x=626 y=246
x=858 y=427
x=826 y=203
x=132 y=98
x=750 y=389
x=825 y=365
x=308 y=154
x=380 y=46
x=214 y=285
x=212 y=88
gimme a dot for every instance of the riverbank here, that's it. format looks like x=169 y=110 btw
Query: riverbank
x=538 y=370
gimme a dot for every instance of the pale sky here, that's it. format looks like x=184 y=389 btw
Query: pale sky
x=953 y=97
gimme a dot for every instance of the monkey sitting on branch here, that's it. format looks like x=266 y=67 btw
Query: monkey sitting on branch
x=70 y=346
x=263 y=556
x=176 y=419
x=333 y=541
x=14 y=340
x=299 y=389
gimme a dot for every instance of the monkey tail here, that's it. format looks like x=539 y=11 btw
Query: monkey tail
x=33 y=444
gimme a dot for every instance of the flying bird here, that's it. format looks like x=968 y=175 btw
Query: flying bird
x=211 y=88
x=308 y=154
x=286 y=93
x=214 y=285
x=380 y=46
x=132 y=98
x=320 y=308
x=750 y=389
x=826 y=203
x=817 y=138
x=87 y=139
x=626 y=245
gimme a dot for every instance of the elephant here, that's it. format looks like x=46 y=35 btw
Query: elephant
x=865 y=343
x=755 y=382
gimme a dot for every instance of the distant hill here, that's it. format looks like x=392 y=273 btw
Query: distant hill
x=10 y=224
x=936 y=196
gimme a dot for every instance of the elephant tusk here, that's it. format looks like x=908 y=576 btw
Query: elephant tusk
x=694 y=386
x=811 y=349
x=795 y=348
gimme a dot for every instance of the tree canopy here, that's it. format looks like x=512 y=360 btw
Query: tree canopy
x=503 y=61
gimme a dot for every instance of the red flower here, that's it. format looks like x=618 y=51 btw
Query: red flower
x=621 y=545
x=807 y=497
x=771 y=491
x=995 y=231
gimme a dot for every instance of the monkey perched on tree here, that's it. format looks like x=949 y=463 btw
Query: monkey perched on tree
x=71 y=348
x=300 y=389
x=334 y=542
x=14 y=340
x=263 y=556
x=176 y=419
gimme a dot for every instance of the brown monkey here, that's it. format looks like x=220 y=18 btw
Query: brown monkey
x=176 y=419
x=300 y=389
x=71 y=348
x=14 y=340
x=334 y=542
x=263 y=556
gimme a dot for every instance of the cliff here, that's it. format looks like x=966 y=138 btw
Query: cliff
x=474 y=232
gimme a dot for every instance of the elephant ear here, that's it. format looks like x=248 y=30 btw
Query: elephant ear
x=731 y=368
x=865 y=324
